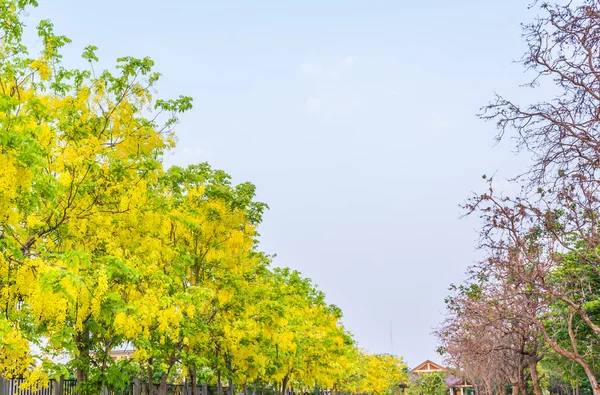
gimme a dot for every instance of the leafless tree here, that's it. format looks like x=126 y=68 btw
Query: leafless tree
x=489 y=337
x=562 y=133
x=545 y=243
x=535 y=251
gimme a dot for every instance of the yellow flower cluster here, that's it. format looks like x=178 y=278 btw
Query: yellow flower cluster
x=43 y=68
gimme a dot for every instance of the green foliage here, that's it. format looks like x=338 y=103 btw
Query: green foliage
x=101 y=246
x=428 y=384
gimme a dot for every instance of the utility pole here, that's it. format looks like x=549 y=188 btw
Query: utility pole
x=391 y=338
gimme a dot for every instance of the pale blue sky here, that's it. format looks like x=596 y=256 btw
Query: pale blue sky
x=356 y=121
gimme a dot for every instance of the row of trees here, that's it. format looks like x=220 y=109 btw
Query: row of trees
x=100 y=246
x=529 y=316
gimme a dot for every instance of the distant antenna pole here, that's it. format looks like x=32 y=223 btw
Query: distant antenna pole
x=391 y=338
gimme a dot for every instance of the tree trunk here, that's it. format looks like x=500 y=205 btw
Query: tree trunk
x=231 y=387
x=150 y=378
x=219 y=386
x=193 y=380
x=521 y=383
x=535 y=378
x=162 y=387
x=284 y=384
x=82 y=341
x=488 y=387
x=514 y=387
x=590 y=375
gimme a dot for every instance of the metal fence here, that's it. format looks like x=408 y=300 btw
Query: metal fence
x=69 y=387
x=137 y=387
x=179 y=389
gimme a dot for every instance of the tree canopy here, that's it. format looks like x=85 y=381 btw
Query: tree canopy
x=102 y=246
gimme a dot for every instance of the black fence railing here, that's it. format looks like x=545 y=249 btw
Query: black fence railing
x=178 y=389
x=69 y=387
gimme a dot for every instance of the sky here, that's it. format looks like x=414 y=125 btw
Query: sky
x=356 y=121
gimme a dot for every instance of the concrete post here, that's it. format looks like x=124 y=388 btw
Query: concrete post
x=59 y=385
x=3 y=386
